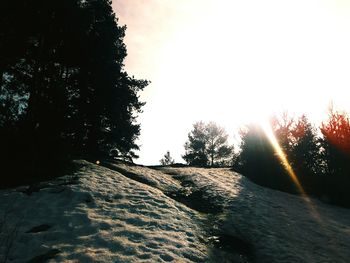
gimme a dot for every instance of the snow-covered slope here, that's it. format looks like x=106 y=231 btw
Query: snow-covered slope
x=127 y=213
x=281 y=227
x=104 y=217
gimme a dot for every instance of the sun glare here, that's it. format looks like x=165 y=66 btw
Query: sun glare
x=284 y=160
x=282 y=156
x=227 y=65
x=235 y=62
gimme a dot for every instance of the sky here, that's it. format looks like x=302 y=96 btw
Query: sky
x=233 y=62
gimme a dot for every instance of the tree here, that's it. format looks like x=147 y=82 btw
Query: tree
x=63 y=87
x=336 y=144
x=337 y=130
x=282 y=126
x=305 y=154
x=297 y=138
x=207 y=145
x=167 y=159
x=336 y=155
x=259 y=161
x=321 y=165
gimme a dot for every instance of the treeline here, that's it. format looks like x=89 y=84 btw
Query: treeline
x=319 y=157
x=64 y=92
x=272 y=154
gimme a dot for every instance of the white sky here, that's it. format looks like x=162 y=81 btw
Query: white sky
x=232 y=62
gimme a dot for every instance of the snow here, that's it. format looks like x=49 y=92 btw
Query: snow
x=281 y=227
x=128 y=213
x=105 y=217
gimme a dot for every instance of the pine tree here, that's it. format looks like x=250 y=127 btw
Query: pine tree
x=167 y=159
x=64 y=90
x=336 y=143
x=207 y=145
x=305 y=154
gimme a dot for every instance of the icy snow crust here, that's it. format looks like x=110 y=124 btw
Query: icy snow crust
x=105 y=217
x=101 y=215
x=281 y=227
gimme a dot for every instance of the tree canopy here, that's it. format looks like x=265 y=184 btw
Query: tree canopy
x=336 y=143
x=63 y=87
x=319 y=160
x=167 y=159
x=207 y=145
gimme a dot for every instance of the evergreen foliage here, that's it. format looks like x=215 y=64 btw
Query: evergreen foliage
x=305 y=153
x=167 y=159
x=258 y=160
x=63 y=88
x=207 y=145
x=336 y=155
x=321 y=163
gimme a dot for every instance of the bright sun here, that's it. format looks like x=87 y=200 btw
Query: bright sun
x=235 y=62
x=230 y=65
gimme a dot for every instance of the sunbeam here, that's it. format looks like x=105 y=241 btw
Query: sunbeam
x=284 y=160
x=282 y=156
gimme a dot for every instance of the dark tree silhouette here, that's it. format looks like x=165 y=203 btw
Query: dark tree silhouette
x=337 y=131
x=259 y=162
x=167 y=159
x=322 y=165
x=336 y=155
x=305 y=153
x=64 y=90
x=196 y=146
x=207 y=145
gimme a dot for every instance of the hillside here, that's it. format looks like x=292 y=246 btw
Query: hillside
x=116 y=212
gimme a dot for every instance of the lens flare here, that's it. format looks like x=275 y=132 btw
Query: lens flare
x=282 y=156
